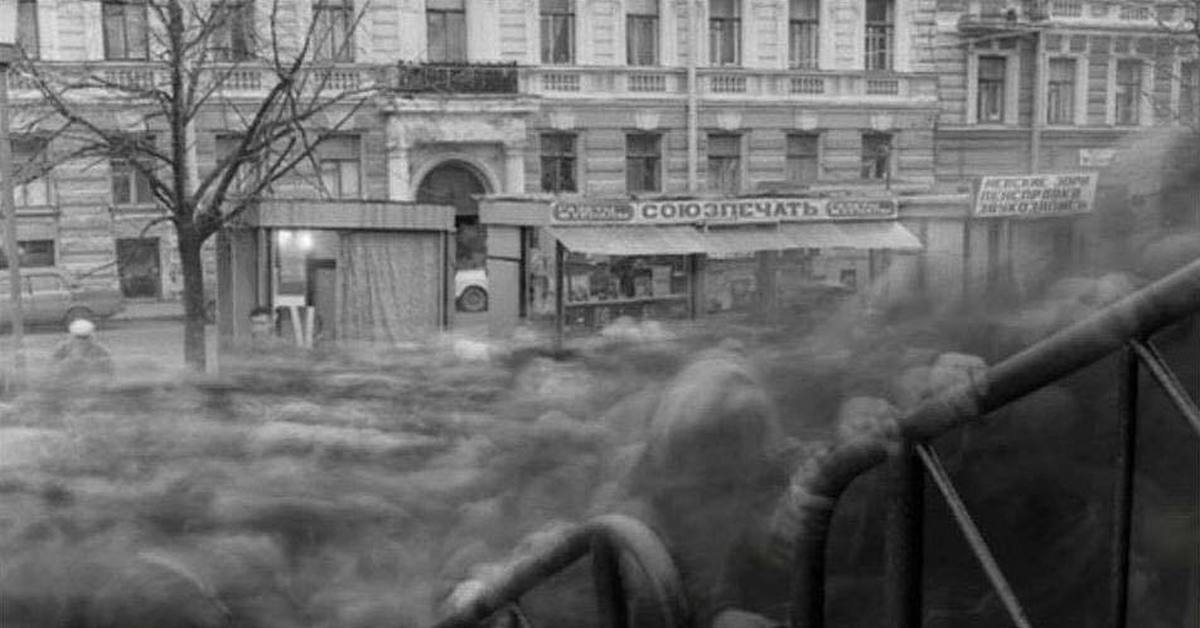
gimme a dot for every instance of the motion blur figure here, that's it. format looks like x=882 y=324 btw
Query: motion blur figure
x=716 y=462
x=81 y=356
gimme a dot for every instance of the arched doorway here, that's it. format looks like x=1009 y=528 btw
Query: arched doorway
x=455 y=183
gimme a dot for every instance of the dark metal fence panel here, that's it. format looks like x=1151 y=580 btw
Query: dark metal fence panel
x=816 y=488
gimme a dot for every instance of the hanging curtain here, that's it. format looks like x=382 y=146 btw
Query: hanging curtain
x=388 y=286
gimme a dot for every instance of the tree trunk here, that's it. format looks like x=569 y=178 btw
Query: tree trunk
x=194 y=349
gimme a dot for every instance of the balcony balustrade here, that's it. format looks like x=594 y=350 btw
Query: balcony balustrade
x=247 y=80
x=1000 y=14
x=455 y=78
x=723 y=83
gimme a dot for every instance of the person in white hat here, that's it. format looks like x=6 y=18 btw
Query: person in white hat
x=81 y=354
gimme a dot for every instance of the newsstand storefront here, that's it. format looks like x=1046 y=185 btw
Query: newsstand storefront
x=578 y=263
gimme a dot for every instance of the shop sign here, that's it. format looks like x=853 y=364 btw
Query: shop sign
x=724 y=211
x=1035 y=196
x=1097 y=157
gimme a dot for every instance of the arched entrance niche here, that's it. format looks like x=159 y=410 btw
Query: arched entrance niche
x=455 y=182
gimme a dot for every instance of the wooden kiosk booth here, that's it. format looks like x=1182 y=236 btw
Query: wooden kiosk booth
x=337 y=271
x=579 y=263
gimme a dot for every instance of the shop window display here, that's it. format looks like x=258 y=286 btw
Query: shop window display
x=601 y=288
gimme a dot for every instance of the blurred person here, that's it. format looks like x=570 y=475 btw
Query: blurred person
x=262 y=325
x=81 y=355
x=706 y=481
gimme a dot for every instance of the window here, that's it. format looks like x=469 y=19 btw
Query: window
x=558 y=162
x=32 y=187
x=27 y=28
x=876 y=155
x=643 y=159
x=33 y=254
x=990 y=93
x=725 y=32
x=233 y=34
x=641 y=32
x=1060 y=91
x=247 y=174
x=558 y=31
x=333 y=30
x=446 y=29
x=125 y=30
x=1189 y=92
x=880 y=27
x=339 y=161
x=725 y=162
x=803 y=158
x=130 y=183
x=1128 y=91
x=803 y=28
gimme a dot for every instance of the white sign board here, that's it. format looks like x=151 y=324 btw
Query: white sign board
x=1096 y=157
x=1036 y=196
x=723 y=211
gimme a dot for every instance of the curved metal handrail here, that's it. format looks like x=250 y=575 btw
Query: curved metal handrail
x=607 y=538
x=816 y=487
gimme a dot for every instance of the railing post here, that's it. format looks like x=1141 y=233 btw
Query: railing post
x=1123 y=487
x=903 y=547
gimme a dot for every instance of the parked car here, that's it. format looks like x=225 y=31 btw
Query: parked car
x=54 y=296
x=471 y=290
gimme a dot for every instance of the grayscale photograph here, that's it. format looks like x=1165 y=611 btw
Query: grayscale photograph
x=599 y=313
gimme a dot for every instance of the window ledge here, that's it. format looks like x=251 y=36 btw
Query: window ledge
x=37 y=210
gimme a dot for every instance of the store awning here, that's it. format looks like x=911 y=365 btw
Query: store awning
x=814 y=235
x=640 y=240
x=683 y=240
x=852 y=235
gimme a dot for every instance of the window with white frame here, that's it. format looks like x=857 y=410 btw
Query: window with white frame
x=804 y=23
x=725 y=162
x=333 y=30
x=233 y=33
x=643 y=162
x=130 y=175
x=803 y=157
x=1128 y=92
x=27 y=28
x=1060 y=91
x=446 y=30
x=725 y=32
x=558 y=160
x=641 y=32
x=880 y=34
x=558 y=31
x=126 y=35
x=989 y=93
x=32 y=181
x=876 y=155
x=340 y=162
x=1189 y=93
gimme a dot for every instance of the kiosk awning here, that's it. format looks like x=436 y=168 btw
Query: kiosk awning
x=852 y=235
x=640 y=240
x=816 y=235
x=684 y=240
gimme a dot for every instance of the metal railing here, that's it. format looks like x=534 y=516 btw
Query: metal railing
x=817 y=487
x=456 y=78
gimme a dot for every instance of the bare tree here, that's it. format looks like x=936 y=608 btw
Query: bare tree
x=281 y=89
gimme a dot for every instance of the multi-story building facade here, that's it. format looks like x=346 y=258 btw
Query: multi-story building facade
x=587 y=97
x=1065 y=86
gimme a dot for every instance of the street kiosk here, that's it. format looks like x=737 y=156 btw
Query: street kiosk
x=580 y=263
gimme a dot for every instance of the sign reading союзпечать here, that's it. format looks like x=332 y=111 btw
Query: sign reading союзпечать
x=1035 y=196
x=723 y=211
